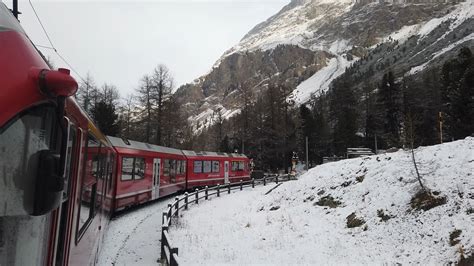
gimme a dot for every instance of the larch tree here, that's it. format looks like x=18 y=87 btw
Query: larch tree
x=145 y=96
x=162 y=84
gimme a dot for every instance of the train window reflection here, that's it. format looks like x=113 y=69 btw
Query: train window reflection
x=207 y=166
x=127 y=168
x=215 y=166
x=23 y=238
x=89 y=185
x=166 y=168
x=197 y=166
x=139 y=170
x=71 y=146
x=133 y=168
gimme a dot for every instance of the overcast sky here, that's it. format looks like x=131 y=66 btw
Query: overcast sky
x=119 y=41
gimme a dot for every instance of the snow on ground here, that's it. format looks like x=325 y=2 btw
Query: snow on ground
x=134 y=238
x=286 y=227
x=320 y=81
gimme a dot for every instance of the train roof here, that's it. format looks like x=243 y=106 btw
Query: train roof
x=131 y=144
x=213 y=154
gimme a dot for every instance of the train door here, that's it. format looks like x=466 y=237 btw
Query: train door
x=155 y=193
x=226 y=172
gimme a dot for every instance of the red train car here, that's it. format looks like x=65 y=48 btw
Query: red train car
x=146 y=172
x=212 y=168
x=53 y=212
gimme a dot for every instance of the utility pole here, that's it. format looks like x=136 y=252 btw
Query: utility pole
x=440 y=118
x=375 y=137
x=307 y=163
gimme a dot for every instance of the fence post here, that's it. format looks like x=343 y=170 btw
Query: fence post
x=170 y=210
x=264 y=181
x=253 y=182
x=277 y=179
x=240 y=184
x=172 y=261
x=177 y=206
x=218 y=190
x=207 y=193
x=228 y=188
x=197 y=196
x=163 y=253
x=163 y=219
x=186 y=200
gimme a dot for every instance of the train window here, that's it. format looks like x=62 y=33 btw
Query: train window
x=172 y=171
x=215 y=166
x=183 y=167
x=207 y=166
x=166 y=168
x=197 y=167
x=139 y=170
x=23 y=238
x=133 y=168
x=71 y=146
x=110 y=170
x=95 y=166
x=89 y=185
x=127 y=168
x=178 y=167
x=241 y=166
x=237 y=166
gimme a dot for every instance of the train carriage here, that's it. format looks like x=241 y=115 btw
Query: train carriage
x=146 y=172
x=212 y=168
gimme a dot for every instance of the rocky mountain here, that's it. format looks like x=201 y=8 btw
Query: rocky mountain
x=309 y=43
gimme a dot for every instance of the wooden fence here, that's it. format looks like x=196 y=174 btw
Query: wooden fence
x=169 y=254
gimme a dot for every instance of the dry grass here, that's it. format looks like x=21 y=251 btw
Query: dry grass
x=425 y=200
x=328 y=201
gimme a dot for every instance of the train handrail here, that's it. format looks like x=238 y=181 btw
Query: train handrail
x=169 y=254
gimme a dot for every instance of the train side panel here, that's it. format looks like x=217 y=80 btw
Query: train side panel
x=146 y=172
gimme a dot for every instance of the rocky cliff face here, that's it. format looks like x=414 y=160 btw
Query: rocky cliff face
x=310 y=43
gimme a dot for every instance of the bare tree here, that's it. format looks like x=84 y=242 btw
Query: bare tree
x=109 y=94
x=411 y=138
x=145 y=97
x=162 y=84
x=126 y=115
x=86 y=93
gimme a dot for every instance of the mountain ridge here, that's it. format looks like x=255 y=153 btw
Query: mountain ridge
x=335 y=34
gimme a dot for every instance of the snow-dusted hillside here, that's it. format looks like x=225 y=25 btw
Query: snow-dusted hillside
x=338 y=33
x=289 y=226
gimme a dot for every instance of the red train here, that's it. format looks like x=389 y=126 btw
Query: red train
x=146 y=172
x=60 y=177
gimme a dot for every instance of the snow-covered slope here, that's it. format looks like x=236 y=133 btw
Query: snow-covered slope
x=288 y=227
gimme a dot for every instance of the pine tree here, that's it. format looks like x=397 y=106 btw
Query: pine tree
x=458 y=94
x=106 y=118
x=344 y=116
x=389 y=98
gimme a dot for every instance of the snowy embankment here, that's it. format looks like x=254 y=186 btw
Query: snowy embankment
x=306 y=221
